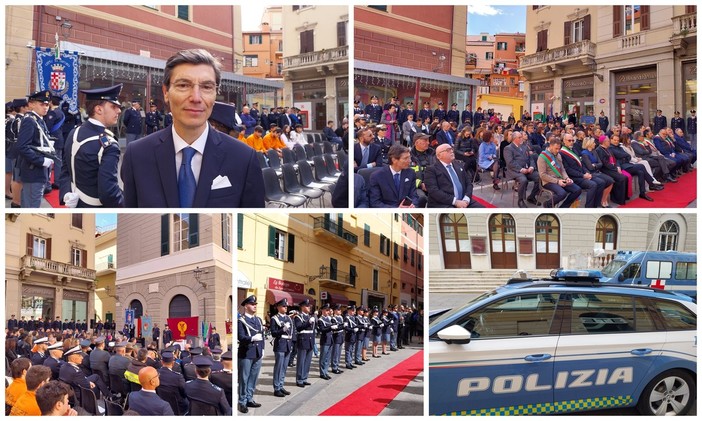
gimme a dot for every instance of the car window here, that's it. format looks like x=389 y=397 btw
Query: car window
x=659 y=269
x=520 y=315
x=609 y=313
x=676 y=316
x=686 y=271
x=632 y=271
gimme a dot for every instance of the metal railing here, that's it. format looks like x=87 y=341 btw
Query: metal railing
x=317 y=57
x=334 y=228
x=51 y=266
x=570 y=51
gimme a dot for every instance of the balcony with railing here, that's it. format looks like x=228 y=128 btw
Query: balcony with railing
x=335 y=278
x=32 y=264
x=317 y=58
x=326 y=228
x=684 y=30
x=578 y=53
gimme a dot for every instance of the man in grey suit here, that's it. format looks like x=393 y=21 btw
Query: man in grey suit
x=520 y=168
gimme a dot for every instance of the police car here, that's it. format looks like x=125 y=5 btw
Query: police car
x=564 y=344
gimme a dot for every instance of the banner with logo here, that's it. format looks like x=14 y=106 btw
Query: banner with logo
x=59 y=74
x=183 y=327
x=146 y=327
x=128 y=316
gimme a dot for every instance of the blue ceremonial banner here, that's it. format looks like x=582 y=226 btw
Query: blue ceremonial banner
x=146 y=327
x=128 y=316
x=59 y=75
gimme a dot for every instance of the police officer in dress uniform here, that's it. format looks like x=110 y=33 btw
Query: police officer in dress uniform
x=201 y=389
x=350 y=330
x=337 y=328
x=326 y=341
x=374 y=110
x=39 y=356
x=282 y=328
x=54 y=361
x=34 y=148
x=659 y=121
x=188 y=366
x=223 y=378
x=132 y=121
x=677 y=122
x=153 y=119
x=167 y=119
x=173 y=382
x=12 y=323
x=71 y=374
x=91 y=155
x=453 y=114
x=54 y=120
x=440 y=112
x=357 y=108
x=85 y=351
x=250 y=336
x=304 y=325
x=99 y=360
x=360 y=336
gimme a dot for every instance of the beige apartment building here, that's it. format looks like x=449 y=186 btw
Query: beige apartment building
x=363 y=259
x=316 y=63
x=548 y=241
x=106 y=271
x=627 y=61
x=50 y=266
x=175 y=265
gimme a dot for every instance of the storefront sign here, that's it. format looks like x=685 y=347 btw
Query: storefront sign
x=283 y=285
x=542 y=86
x=636 y=76
x=34 y=291
x=75 y=295
x=587 y=82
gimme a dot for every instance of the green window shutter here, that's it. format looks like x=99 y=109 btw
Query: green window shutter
x=291 y=248
x=165 y=234
x=240 y=230
x=271 y=241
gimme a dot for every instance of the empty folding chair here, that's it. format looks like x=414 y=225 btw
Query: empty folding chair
x=317 y=137
x=292 y=185
x=274 y=161
x=299 y=152
x=320 y=171
x=309 y=151
x=331 y=166
x=275 y=194
x=261 y=159
x=289 y=156
x=343 y=159
x=310 y=138
x=327 y=147
x=307 y=178
x=317 y=147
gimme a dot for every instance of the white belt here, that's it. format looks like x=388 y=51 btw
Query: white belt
x=285 y=337
x=306 y=331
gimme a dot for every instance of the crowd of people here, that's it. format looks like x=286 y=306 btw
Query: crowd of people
x=52 y=364
x=432 y=158
x=297 y=336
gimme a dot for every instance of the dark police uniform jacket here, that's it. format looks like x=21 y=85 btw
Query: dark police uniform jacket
x=204 y=391
x=54 y=365
x=175 y=383
x=305 y=331
x=153 y=121
x=94 y=164
x=375 y=112
x=325 y=330
x=338 y=333
x=132 y=121
x=223 y=379
x=281 y=333
x=247 y=327
x=30 y=161
x=38 y=359
x=349 y=326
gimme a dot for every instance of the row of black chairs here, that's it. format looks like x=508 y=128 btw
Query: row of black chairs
x=314 y=137
x=300 y=185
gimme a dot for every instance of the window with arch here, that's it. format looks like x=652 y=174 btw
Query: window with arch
x=668 y=236
x=606 y=233
x=547 y=234
x=454 y=230
x=137 y=307
x=179 y=306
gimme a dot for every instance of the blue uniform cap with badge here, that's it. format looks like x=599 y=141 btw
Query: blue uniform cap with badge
x=282 y=303
x=167 y=357
x=305 y=303
x=110 y=94
x=41 y=96
x=195 y=351
x=223 y=114
x=326 y=306
x=202 y=361
x=20 y=102
x=251 y=299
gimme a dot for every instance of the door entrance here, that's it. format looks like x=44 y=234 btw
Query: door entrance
x=503 y=241
x=456 y=244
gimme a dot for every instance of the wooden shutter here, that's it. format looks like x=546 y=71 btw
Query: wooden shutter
x=587 y=21
x=617 y=15
x=340 y=34
x=193 y=230
x=30 y=244
x=84 y=258
x=240 y=230
x=271 y=240
x=291 y=248
x=645 y=17
x=690 y=9
x=47 y=256
x=165 y=234
x=567 y=32
x=306 y=42
x=542 y=40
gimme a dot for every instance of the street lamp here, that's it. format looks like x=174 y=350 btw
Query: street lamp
x=197 y=272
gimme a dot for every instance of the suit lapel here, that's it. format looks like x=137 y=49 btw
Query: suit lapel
x=211 y=164
x=165 y=161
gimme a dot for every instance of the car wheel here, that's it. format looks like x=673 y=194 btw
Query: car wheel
x=670 y=393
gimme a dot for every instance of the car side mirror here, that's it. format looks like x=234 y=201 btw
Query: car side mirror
x=621 y=277
x=455 y=335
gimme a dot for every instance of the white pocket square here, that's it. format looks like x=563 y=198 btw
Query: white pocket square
x=221 y=182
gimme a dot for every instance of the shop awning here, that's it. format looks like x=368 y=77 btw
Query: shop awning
x=336 y=298
x=414 y=73
x=243 y=281
x=294 y=298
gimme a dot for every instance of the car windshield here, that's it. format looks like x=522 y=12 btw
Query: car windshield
x=460 y=309
x=612 y=268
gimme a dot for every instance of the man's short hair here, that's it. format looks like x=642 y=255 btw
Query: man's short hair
x=142 y=354
x=203 y=371
x=360 y=132
x=192 y=56
x=37 y=374
x=50 y=394
x=396 y=151
x=258 y=129
x=18 y=366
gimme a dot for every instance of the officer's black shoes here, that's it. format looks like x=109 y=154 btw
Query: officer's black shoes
x=279 y=394
x=359 y=363
x=285 y=392
x=15 y=205
x=243 y=409
x=300 y=384
x=386 y=353
x=325 y=377
x=350 y=367
x=376 y=356
x=532 y=200
x=307 y=383
x=337 y=371
x=253 y=404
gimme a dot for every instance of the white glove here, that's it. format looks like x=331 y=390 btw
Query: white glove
x=391 y=331
x=311 y=319
x=257 y=337
x=71 y=199
x=47 y=162
x=382 y=325
x=335 y=327
x=355 y=329
x=287 y=325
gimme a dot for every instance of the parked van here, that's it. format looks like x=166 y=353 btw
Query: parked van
x=669 y=270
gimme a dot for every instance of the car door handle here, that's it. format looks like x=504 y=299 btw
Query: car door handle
x=641 y=351
x=537 y=357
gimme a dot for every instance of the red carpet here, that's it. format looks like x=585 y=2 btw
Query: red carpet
x=675 y=195
x=483 y=202
x=372 y=398
x=53 y=197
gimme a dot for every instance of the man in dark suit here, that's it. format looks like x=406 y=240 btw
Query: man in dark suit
x=446 y=135
x=167 y=335
x=191 y=165
x=173 y=382
x=390 y=185
x=520 y=168
x=594 y=186
x=99 y=359
x=448 y=183
x=366 y=153
x=146 y=401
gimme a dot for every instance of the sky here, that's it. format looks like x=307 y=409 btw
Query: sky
x=496 y=19
x=251 y=15
x=105 y=219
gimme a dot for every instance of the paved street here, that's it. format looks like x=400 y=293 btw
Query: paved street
x=323 y=394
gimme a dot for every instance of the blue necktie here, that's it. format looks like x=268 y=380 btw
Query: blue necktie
x=364 y=157
x=397 y=183
x=457 y=188
x=186 y=179
x=450 y=139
